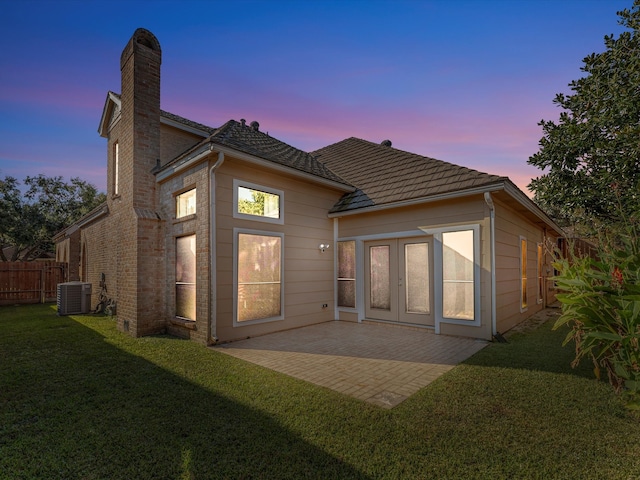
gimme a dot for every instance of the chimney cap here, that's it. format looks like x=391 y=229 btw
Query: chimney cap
x=386 y=143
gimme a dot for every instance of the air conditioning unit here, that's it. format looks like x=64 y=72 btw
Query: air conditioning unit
x=74 y=298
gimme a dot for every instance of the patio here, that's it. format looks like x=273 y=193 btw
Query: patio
x=378 y=363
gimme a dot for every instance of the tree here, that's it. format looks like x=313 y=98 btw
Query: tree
x=592 y=155
x=253 y=206
x=29 y=220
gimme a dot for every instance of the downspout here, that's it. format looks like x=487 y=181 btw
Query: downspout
x=212 y=247
x=492 y=227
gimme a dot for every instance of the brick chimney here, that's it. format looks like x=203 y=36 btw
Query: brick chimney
x=139 y=228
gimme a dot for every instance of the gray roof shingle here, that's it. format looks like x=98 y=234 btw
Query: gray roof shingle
x=250 y=140
x=386 y=175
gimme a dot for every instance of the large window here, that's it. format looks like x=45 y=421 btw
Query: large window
x=186 y=203
x=458 y=275
x=186 y=277
x=347 y=274
x=540 y=273
x=257 y=203
x=258 y=276
x=523 y=274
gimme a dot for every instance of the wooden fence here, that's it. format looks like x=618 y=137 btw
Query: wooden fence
x=30 y=282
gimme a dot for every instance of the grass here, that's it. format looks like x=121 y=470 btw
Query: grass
x=80 y=400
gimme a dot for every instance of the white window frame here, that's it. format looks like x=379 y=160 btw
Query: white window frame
x=540 y=268
x=195 y=203
x=523 y=274
x=195 y=282
x=116 y=167
x=236 y=233
x=355 y=279
x=258 y=218
x=438 y=275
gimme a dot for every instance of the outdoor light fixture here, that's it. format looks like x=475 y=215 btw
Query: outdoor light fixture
x=323 y=246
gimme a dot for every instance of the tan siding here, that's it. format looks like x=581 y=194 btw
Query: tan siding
x=509 y=228
x=467 y=211
x=308 y=273
x=453 y=212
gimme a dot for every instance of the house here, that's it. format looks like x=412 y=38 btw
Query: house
x=217 y=234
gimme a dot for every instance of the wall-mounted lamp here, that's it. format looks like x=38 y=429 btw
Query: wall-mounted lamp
x=323 y=246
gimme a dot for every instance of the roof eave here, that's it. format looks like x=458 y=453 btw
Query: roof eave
x=179 y=164
x=531 y=206
x=95 y=214
x=505 y=185
x=422 y=200
x=112 y=99
x=181 y=126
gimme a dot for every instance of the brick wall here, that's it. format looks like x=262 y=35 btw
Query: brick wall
x=198 y=224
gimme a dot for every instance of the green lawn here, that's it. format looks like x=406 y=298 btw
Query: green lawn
x=80 y=400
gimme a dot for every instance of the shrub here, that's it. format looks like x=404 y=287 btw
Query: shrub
x=601 y=304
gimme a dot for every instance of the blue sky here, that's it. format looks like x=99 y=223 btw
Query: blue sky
x=462 y=81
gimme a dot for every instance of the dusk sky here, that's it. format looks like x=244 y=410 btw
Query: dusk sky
x=459 y=80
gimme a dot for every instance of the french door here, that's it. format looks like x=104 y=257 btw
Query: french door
x=399 y=280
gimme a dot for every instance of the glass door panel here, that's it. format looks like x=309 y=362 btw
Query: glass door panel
x=398 y=281
x=416 y=284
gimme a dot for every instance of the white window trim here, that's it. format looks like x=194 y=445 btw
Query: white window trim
x=520 y=239
x=176 y=201
x=257 y=218
x=437 y=275
x=539 y=268
x=236 y=232
x=195 y=283
x=360 y=273
x=358 y=268
x=116 y=166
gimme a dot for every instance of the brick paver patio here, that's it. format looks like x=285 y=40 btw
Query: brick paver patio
x=378 y=363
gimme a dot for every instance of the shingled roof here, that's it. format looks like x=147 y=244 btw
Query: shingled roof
x=386 y=175
x=249 y=139
x=187 y=122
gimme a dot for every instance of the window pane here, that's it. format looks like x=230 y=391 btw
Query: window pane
x=458 y=275
x=186 y=203
x=255 y=202
x=458 y=300
x=347 y=274
x=540 y=273
x=523 y=273
x=346 y=293
x=116 y=174
x=347 y=259
x=380 y=293
x=417 y=277
x=186 y=277
x=259 y=284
